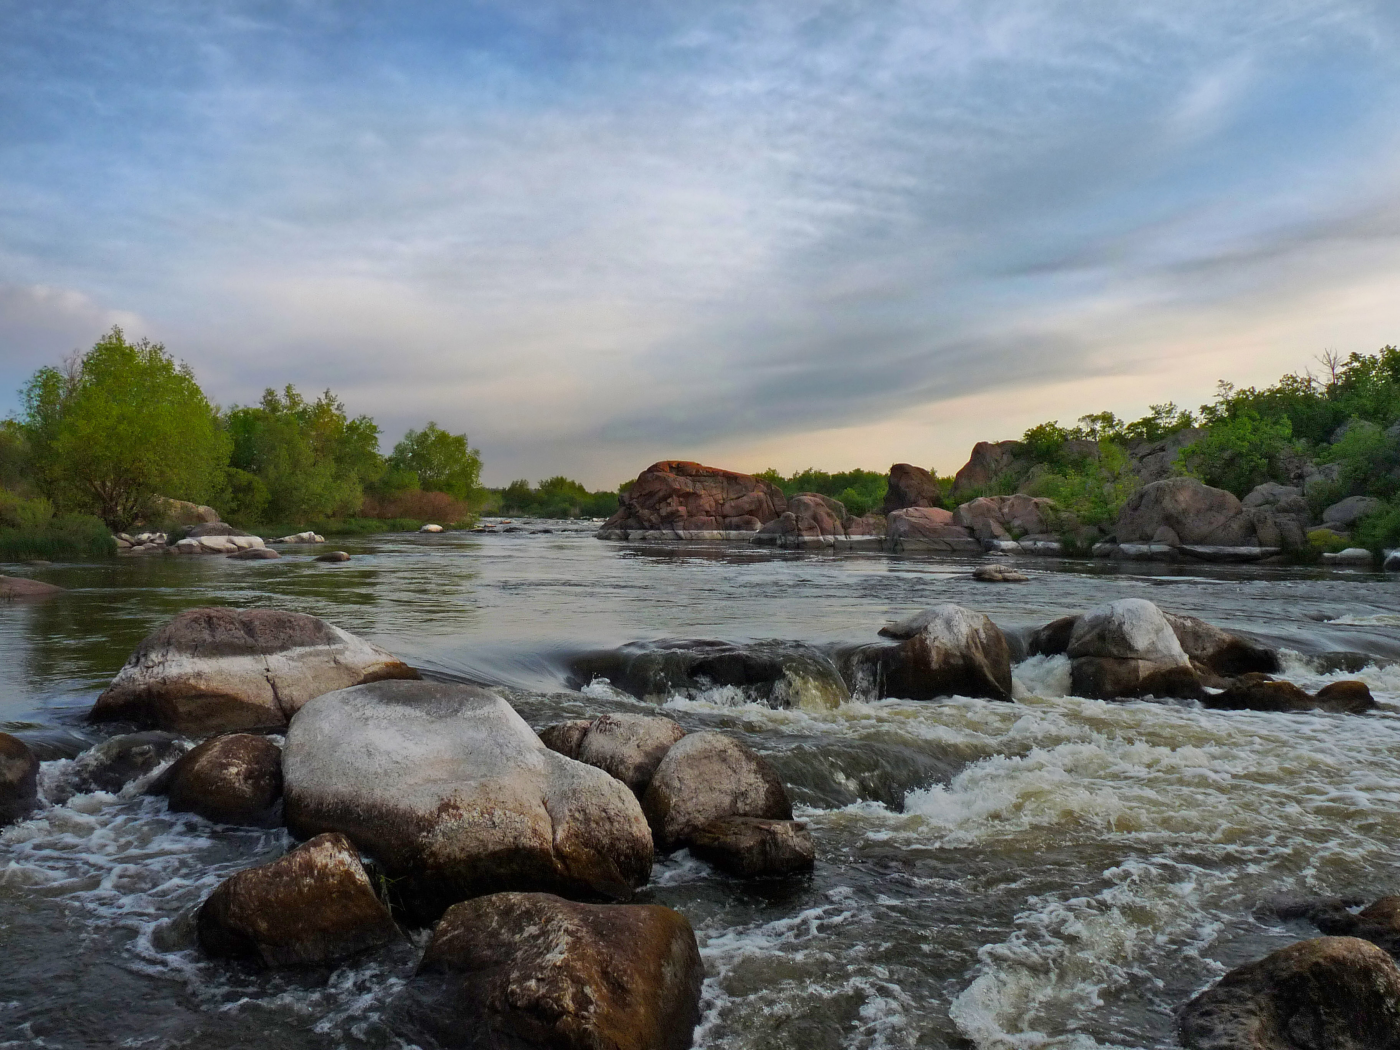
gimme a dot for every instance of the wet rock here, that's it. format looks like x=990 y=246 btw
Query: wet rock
x=565 y=738
x=453 y=793
x=675 y=499
x=430 y=528
x=751 y=847
x=1349 y=698
x=928 y=529
x=910 y=486
x=1258 y=692
x=998 y=574
x=333 y=556
x=1378 y=923
x=255 y=554
x=19 y=779
x=1197 y=513
x=628 y=747
x=301 y=537
x=1221 y=652
x=1330 y=993
x=946 y=650
x=523 y=970
x=1358 y=556
x=112 y=764
x=13 y=588
x=1392 y=561
x=708 y=776
x=1127 y=649
x=235 y=779
x=314 y=906
x=1346 y=513
x=210 y=670
x=1053 y=638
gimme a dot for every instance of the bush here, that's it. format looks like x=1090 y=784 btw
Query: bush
x=437 y=507
x=66 y=536
x=1238 y=452
x=556 y=497
x=1094 y=491
x=16 y=512
x=1368 y=461
x=1380 y=531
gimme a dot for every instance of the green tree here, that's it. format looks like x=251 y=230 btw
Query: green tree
x=443 y=462
x=1238 y=451
x=118 y=425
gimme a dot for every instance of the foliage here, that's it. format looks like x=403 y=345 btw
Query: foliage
x=1050 y=443
x=1380 y=531
x=1238 y=452
x=1368 y=458
x=295 y=460
x=438 y=461
x=556 y=497
x=441 y=508
x=118 y=425
x=860 y=491
x=16 y=512
x=1093 y=490
x=65 y=536
x=16 y=458
x=352 y=526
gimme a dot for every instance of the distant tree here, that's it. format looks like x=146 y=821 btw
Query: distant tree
x=443 y=462
x=118 y=425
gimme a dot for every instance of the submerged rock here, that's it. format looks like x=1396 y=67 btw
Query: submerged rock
x=1127 y=649
x=312 y=907
x=946 y=650
x=998 y=574
x=1257 y=692
x=13 y=588
x=1330 y=993
x=209 y=670
x=112 y=764
x=333 y=556
x=523 y=970
x=751 y=847
x=454 y=794
x=234 y=779
x=629 y=747
x=430 y=528
x=709 y=776
x=19 y=779
x=255 y=554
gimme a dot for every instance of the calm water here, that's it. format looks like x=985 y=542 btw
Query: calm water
x=1057 y=872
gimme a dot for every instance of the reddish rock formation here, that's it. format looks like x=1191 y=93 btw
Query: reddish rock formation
x=910 y=486
x=674 y=499
x=989 y=460
x=928 y=529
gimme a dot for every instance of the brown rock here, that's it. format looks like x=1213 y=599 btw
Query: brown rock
x=1197 y=513
x=998 y=574
x=1053 y=638
x=1011 y=517
x=312 y=907
x=629 y=747
x=705 y=777
x=943 y=651
x=255 y=554
x=751 y=847
x=181 y=512
x=19 y=779
x=1348 y=698
x=565 y=738
x=333 y=556
x=1258 y=692
x=927 y=529
x=1223 y=653
x=13 y=588
x=811 y=520
x=1330 y=993
x=235 y=779
x=678 y=497
x=910 y=486
x=989 y=462
x=523 y=970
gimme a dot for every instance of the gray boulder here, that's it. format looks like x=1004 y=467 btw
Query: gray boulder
x=210 y=670
x=1280 y=514
x=928 y=529
x=810 y=521
x=628 y=747
x=1196 y=513
x=1346 y=513
x=19 y=779
x=1220 y=652
x=234 y=779
x=946 y=650
x=312 y=907
x=112 y=764
x=453 y=793
x=709 y=776
x=1128 y=649
x=523 y=970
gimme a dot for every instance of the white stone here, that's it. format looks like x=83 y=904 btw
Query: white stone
x=1350 y=556
x=431 y=528
x=1130 y=628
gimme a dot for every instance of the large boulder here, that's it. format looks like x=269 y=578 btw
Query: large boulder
x=946 y=650
x=1222 y=653
x=811 y=520
x=1348 y=512
x=989 y=462
x=1185 y=511
x=628 y=747
x=910 y=486
x=181 y=512
x=674 y=499
x=19 y=779
x=312 y=907
x=1280 y=514
x=928 y=529
x=1126 y=649
x=708 y=776
x=1011 y=517
x=523 y=970
x=210 y=670
x=234 y=779
x=1330 y=993
x=14 y=588
x=454 y=794
x=751 y=847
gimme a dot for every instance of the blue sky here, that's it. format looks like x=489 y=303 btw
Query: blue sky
x=597 y=234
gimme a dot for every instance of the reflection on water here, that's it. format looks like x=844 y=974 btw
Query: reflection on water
x=1052 y=873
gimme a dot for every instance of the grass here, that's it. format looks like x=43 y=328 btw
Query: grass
x=345 y=526
x=66 y=536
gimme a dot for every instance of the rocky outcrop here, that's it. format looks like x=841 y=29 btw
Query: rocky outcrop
x=1259 y=692
x=1343 y=515
x=216 y=538
x=1331 y=993
x=1156 y=460
x=314 y=906
x=1128 y=649
x=531 y=970
x=15 y=588
x=1012 y=517
x=946 y=650
x=1280 y=515
x=453 y=793
x=1219 y=652
x=19 y=779
x=988 y=462
x=181 y=512
x=1185 y=511
x=211 y=670
x=910 y=486
x=813 y=520
x=234 y=779
x=674 y=499
x=709 y=776
x=928 y=529
x=628 y=747
x=751 y=847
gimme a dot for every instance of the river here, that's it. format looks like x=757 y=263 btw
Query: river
x=1057 y=872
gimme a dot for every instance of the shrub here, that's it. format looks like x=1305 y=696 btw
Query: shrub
x=437 y=507
x=1094 y=491
x=66 y=536
x=1237 y=452
x=1380 y=531
x=16 y=512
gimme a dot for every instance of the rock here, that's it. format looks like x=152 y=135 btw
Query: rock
x=313 y=907
x=1012 y=517
x=333 y=556
x=1358 y=556
x=454 y=794
x=1379 y=923
x=430 y=528
x=678 y=500
x=1141 y=552
x=910 y=486
x=1280 y=514
x=989 y=462
x=811 y=520
x=218 y=669
x=1223 y=653
x=927 y=529
x=216 y=528
x=1197 y=513
x=945 y=650
x=19 y=779
x=1350 y=698
x=181 y=512
x=1053 y=638
x=998 y=574
x=1257 y=692
x=1205 y=552
x=628 y=747
x=1348 y=512
x=1330 y=993
x=1156 y=460
x=16 y=587
x=751 y=847
x=565 y=738
x=112 y=764
x=1128 y=649
x=302 y=537
x=255 y=554
x=1392 y=561
x=235 y=779
x=524 y=970
x=707 y=776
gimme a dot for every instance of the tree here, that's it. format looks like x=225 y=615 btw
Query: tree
x=119 y=424
x=443 y=462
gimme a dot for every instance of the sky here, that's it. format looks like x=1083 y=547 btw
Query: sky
x=597 y=234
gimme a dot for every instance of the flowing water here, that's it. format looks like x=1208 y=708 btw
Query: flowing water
x=1057 y=872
